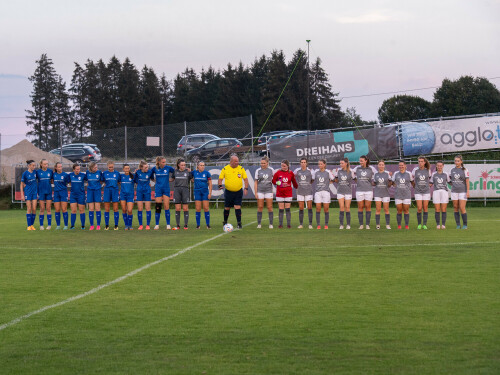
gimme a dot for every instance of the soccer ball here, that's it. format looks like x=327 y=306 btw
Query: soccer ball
x=228 y=228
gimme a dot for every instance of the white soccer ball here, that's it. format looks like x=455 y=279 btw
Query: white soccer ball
x=228 y=228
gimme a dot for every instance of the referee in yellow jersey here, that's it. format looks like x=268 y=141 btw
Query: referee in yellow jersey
x=234 y=175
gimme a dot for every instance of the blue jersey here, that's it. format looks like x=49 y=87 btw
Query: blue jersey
x=61 y=181
x=94 y=180
x=201 y=179
x=77 y=183
x=111 y=179
x=127 y=184
x=29 y=179
x=162 y=176
x=142 y=179
x=44 y=177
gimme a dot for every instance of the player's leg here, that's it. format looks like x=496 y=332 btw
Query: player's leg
x=326 y=210
x=462 y=206
x=185 y=209
x=41 y=215
x=419 y=213
x=347 y=207
x=140 y=207
x=368 y=209
x=206 y=209
x=281 y=212
x=341 y=212
x=456 y=212
x=74 y=207
x=130 y=212
x=57 y=214
x=288 y=214
x=399 y=209
x=116 y=211
x=158 y=206
x=178 y=207
x=270 y=212
x=98 y=210
x=64 y=209
x=425 y=214
x=444 y=207
x=387 y=214
x=166 y=209
x=147 y=205
x=48 y=210
x=361 y=205
x=91 y=213
x=301 y=202
x=81 y=210
x=406 y=211
x=123 y=204
x=260 y=208
x=378 y=209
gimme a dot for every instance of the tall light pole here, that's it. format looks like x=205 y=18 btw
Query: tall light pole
x=308 y=94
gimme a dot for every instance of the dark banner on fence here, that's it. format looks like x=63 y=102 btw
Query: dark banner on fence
x=377 y=143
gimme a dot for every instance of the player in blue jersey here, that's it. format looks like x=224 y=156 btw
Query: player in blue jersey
x=202 y=192
x=94 y=196
x=127 y=184
x=143 y=180
x=61 y=180
x=162 y=174
x=77 y=195
x=44 y=177
x=111 y=178
x=29 y=193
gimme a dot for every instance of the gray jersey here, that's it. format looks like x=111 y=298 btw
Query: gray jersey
x=344 y=182
x=322 y=180
x=403 y=185
x=422 y=179
x=381 y=180
x=440 y=181
x=181 y=178
x=364 y=177
x=457 y=178
x=304 y=179
x=264 y=177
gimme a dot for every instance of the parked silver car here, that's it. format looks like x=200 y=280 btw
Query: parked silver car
x=191 y=141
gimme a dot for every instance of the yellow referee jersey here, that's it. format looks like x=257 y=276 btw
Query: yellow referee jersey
x=233 y=176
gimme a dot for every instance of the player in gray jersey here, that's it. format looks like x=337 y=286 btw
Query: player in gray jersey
x=402 y=180
x=304 y=178
x=382 y=182
x=364 y=189
x=421 y=177
x=343 y=178
x=322 y=197
x=181 y=177
x=459 y=179
x=439 y=180
x=263 y=187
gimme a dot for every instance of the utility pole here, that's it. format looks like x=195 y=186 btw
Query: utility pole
x=308 y=95
x=161 y=140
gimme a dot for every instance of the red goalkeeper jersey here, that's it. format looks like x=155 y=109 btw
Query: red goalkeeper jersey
x=286 y=181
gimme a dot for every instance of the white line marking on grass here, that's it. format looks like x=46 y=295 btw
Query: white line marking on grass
x=82 y=249
x=115 y=281
x=363 y=246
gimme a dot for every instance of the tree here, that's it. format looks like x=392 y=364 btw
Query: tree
x=129 y=96
x=80 y=116
x=42 y=118
x=465 y=96
x=150 y=97
x=404 y=108
x=166 y=97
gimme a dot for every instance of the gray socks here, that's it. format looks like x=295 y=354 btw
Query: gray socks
x=426 y=216
x=387 y=219
x=419 y=218
x=281 y=212
x=259 y=217
x=288 y=216
x=399 y=217
x=377 y=219
x=310 y=214
x=178 y=218
x=271 y=217
x=407 y=219
x=327 y=217
x=360 y=217
x=443 y=218
x=457 y=218
x=348 y=217
x=318 y=218
x=186 y=218
x=464 y=219
x=341 y=217
x=368 y=217
x=437 y=216
x=301 y=217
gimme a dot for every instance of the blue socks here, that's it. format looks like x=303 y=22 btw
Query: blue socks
x=139 y=217
x=98 y=214
x=125 y=219
x=207 y=218
x=49 y=220
x=28 y=219
x=148 y=217
x=82 y=219
x=116 y=217
x=130 y=219
x=157 y=218
x=167 y=216
x=65 y=217
x=106 y=218
x=198 y=218
x=40 y=218
x=58 y=218
x=73 y=219
x=91 y=218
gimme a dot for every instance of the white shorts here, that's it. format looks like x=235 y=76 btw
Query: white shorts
x=403 y=201
x=304 y=198
x=440 y=197
x=347 y=197
x=458 y=196
x=382 y=199
x=422 y=197
x=322 y=197
x=264 y=195
x=281 y=199
x=364 y=196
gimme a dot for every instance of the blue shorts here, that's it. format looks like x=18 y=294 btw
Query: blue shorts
x=111 y=195
x=143 y=196
x=201 y=195
x=45 y=196
x=80 y=198
x=128 y=197
x=94 y=196
x=61 y=196
x=161 y=191
x=233 y=198
x=30 y=196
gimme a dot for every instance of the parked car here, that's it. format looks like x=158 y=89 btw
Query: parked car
x=215 y=148
x=191 y=141
x=98 y=155
x=275 y=137
x=78 y=154
x=305 y=133
x=265 y=136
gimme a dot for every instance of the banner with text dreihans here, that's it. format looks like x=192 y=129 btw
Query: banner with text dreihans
x=423 y=138
x=376 y=143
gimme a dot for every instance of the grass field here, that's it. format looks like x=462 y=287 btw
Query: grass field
x=253 y=301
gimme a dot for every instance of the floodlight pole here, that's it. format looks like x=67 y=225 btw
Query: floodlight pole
x=162 y=153
x=308 y=95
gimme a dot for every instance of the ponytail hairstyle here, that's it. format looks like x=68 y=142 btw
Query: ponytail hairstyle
x=346 y=160
x=265 y=158
x=158 y=160
x=180 y=160
x=461 y=161
x=129 y=173
x=367 y=160
x=142 y=164
x=286 y=162
x=56 y=164
x=41 y=162
x=427 y=165
x=323 y=161
x=28 y=162
x=91 y=166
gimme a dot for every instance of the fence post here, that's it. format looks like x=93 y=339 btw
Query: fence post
x=485 y=191
x=251 y=132
x=185 y=128
x=126 y=155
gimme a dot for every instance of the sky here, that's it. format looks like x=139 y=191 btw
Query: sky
x=366 y=47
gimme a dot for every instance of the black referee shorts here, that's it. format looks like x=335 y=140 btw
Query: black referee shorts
x=233 y=198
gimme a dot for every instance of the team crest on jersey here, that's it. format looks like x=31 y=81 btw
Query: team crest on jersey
x=343 y=178
x=363 y=173
x=422 y=178
x=457 y=176
x=285 y=179
x=381 y=180
x=402 y=180
x=265 y=176
x=440 y=180
x=321 y=179
x=303 y=178
x=79 y=178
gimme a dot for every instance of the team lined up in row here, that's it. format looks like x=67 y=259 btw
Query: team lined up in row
x=36 y=186
x=371 y=184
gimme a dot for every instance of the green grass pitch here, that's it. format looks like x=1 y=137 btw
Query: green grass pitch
x=254 y=301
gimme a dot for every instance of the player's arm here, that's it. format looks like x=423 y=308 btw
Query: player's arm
x=221 y=178
x=467 y=182
x=22 y=188
x=294 y=181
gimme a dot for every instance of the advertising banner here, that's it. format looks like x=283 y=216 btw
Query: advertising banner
x=376 y=143
x=421 y=138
